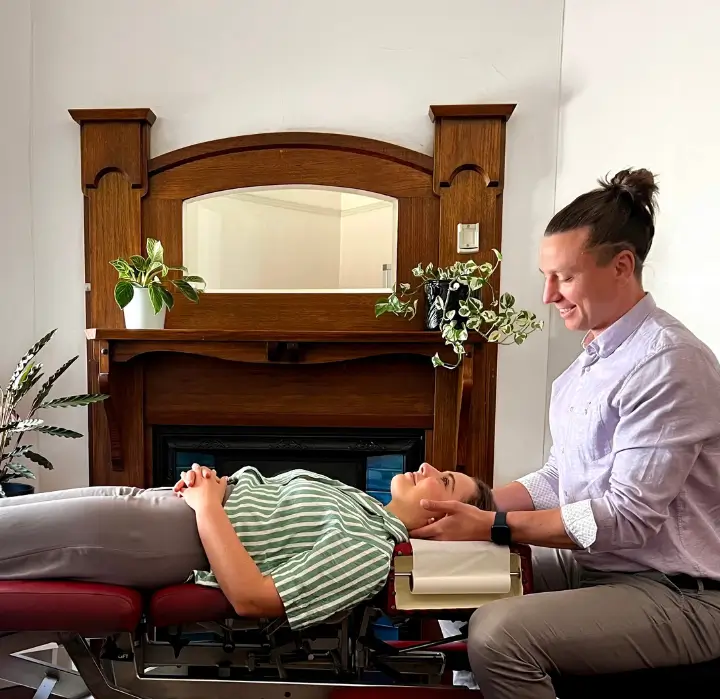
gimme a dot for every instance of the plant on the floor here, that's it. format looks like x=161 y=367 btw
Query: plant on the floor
x=14 y=428
x=454 y=305
x=149 y=273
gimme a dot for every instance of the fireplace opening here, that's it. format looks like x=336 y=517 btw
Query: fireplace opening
x=366 y=459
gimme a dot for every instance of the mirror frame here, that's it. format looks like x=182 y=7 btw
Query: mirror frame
x=347 y=162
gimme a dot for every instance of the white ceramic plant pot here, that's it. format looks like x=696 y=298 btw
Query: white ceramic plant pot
x=140 y=314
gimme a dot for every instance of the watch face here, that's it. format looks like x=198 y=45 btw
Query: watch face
x=500 y=534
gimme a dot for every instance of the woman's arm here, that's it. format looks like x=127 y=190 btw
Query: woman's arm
x=246 y=588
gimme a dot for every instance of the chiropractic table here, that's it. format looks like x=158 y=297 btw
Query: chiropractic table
x=185 y=642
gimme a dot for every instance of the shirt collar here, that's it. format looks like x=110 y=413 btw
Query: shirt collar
x=611 y=338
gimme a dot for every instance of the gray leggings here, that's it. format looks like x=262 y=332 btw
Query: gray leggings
x=115 y=535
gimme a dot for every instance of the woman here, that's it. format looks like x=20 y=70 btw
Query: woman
x=298 y=544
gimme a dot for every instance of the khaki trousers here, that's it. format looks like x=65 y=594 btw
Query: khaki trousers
x=585 y=623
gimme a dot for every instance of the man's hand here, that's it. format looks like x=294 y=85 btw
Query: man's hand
x=206 y=492
x=188 y=478
x=458 y=522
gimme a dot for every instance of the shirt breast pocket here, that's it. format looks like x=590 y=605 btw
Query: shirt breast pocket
x=588 y=433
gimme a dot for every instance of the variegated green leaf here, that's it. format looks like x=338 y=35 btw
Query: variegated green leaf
x=155 y=250
x=74 y=401
x=58 y=432
x=18 y=470
x=124 y=292
x=156 y=297
x=188 y=291
x=29 y=356
x=47 y=386
x=22 y=425
x=27 y=381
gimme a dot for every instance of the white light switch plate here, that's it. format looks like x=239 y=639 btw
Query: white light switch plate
x=468 y=237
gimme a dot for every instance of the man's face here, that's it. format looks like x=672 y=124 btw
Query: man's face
x=588 y=296
x=427 y=483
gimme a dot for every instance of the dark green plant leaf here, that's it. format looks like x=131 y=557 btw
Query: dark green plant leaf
x=29 y=356
x=38 y=459
x=140 y=263
x=74 y=401
x=382 y=307
x=167 y=297
x=124 y=292
x=156 y=297
x=186 y=290
x=45 y=389
x=19 y=470
x=58 y=432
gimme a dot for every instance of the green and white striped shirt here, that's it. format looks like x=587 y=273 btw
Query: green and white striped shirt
x=327 y=546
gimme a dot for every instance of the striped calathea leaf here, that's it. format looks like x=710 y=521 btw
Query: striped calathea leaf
x=16 y=457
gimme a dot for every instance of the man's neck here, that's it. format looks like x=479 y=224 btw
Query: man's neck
x=622 y=310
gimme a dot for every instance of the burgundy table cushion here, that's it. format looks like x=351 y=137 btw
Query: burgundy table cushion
x=187 y=604
x=68 y=606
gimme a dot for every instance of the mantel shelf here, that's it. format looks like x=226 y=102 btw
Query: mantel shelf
x=319 y=336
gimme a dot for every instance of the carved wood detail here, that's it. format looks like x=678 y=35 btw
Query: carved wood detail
x=286 y=359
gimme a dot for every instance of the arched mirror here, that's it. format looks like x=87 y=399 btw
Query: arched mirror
x=291 y=239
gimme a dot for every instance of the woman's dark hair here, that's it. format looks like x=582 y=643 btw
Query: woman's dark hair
x=483 y=498
x=620 y=214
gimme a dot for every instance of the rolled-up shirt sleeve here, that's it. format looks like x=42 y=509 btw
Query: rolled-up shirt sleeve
x=543 y=485
x=667 y=408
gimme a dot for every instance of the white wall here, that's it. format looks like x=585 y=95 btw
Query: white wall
x=368 y=238
x=256 y=246
x=16 y=256
x=221 y=67
x=17 y=293
x=640 y=88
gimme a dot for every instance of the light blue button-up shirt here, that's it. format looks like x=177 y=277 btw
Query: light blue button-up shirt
x=635 y=460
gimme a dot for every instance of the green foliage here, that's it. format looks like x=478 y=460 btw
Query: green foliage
x=13 y=427
x=149 y=273
x=496 y=320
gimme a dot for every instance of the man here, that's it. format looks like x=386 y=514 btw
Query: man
x=625 y=516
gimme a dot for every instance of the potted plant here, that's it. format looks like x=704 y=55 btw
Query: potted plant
x=13 y=428
x=454 y=305
x=141 y=291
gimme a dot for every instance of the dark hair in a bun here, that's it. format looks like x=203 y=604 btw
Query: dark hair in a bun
x=620 y=215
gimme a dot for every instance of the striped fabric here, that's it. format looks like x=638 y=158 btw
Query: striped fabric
x=326 y=545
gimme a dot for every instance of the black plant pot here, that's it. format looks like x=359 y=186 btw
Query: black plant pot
x=452 y=298
x=13 y=490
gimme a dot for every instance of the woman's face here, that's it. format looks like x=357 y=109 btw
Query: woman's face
x=427 y=483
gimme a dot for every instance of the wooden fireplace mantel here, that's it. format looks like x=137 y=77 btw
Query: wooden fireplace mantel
x=121 y=374
x=286 y=359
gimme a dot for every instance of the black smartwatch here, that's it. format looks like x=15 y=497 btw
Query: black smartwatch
x=500 y=532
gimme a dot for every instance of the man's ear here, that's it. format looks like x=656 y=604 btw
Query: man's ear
x=625 y=264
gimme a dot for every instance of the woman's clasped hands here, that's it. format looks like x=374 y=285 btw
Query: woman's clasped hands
x=201 y=487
